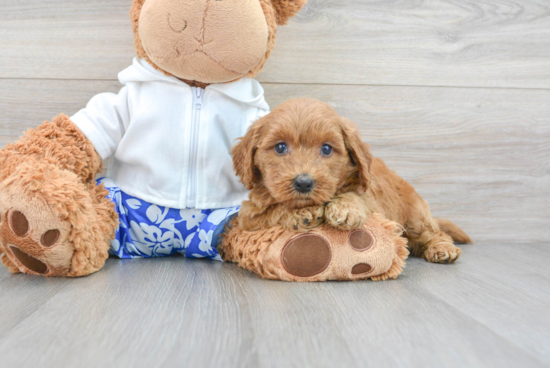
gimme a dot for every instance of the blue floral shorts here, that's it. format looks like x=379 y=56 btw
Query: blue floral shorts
x=148 y=230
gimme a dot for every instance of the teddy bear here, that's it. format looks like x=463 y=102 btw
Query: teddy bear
x=170 y=187
x=186 y=97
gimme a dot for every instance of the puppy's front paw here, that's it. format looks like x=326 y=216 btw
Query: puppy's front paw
x=344 y=217
x=442 y=252
x=303 y=219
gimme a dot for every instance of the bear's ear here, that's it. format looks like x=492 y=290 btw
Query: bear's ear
x=135 y=12
x=286 y=9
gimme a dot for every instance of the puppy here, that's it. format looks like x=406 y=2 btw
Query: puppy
x=306 y=165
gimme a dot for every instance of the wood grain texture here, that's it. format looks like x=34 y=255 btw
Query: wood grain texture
x=169 y=312
x=480 y=157
x=503 y=43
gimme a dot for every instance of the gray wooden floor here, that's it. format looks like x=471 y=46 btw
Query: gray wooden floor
x=491 y=309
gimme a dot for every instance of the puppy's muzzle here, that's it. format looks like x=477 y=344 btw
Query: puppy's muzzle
x=303 y=184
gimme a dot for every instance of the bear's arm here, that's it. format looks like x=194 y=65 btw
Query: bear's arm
x=77 y=144
x=104 y=121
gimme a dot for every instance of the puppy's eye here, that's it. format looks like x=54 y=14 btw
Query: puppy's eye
x=281 y=148
x=326 y=150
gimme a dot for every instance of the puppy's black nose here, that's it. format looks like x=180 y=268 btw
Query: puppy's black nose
x=303 y=183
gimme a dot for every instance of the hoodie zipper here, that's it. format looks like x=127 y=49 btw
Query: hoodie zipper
x=198 y=94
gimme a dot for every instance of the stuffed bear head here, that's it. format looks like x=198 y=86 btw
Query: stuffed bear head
x=209 y=41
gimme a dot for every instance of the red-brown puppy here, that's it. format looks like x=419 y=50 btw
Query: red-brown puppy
x=304 y=164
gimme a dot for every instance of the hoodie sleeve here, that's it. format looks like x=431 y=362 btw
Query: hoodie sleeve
x=104 y=121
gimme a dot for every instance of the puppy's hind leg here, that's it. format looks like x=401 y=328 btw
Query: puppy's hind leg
x=426 y=240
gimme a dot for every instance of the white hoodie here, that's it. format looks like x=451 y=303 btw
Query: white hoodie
x=170 y=143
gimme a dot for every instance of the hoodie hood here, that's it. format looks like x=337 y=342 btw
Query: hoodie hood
x=246 y=90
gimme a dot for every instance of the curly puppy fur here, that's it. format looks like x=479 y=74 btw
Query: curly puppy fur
x=350 y=185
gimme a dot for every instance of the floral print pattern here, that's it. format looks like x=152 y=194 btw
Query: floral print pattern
x=148 y=230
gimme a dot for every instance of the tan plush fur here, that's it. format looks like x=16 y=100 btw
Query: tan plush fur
x=59 y=143
x=48 y=176
x=350 y=185
x=276 y=12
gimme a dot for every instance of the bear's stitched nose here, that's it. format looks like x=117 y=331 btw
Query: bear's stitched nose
x=303 y=183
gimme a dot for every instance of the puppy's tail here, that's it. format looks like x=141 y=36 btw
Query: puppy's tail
x=454 y=231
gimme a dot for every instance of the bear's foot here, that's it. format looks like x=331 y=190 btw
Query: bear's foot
x=36 y=243
x=375 y=251
x=52 y=224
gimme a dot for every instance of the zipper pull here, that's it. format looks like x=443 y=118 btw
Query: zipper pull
x=198 y=98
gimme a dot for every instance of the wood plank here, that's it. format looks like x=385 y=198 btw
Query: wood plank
x=173 y=311
x=498 y=280
x=480 y=157
x=78 y=39
x=435 y=43
x=16 y=305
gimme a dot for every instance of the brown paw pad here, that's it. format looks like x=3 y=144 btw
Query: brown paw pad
x=20 y=226
x=49 y=238
x=306 y=255
x=361 y=268
x=361 y=240
x=19 y=223
x=29 y=261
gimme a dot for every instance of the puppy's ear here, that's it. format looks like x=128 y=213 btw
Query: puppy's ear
x=358 y=151
x=286 y=9
x=243 y=155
